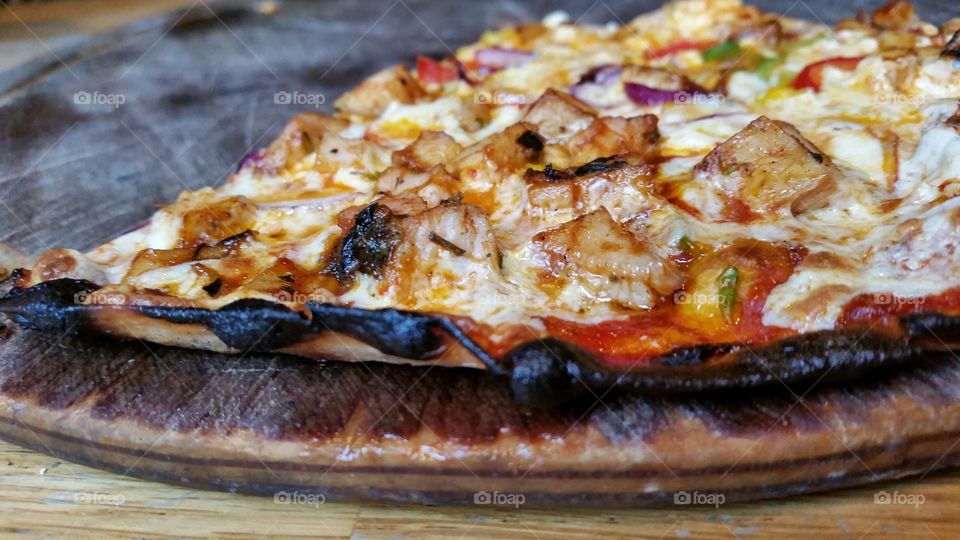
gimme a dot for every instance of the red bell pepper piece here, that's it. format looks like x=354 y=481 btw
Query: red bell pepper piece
x=677 y=46
x=431 y=71
x=812 y=75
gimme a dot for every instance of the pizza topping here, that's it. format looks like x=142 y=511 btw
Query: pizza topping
x=432 y=72
x=60 y=263
x=648 y=86
x=610 y=136
x=812 y=75
x=531 y=140
x=493 y=59
x=727 y=290
x=897 y=15
x=372 y=96
x=446 y=255
x=952 y=48
x=766 y=167
x=723 y=51
x=432 y=186
x=366 y=246
x=604 y=258
x=224 y=248
x=599 y=165
x=556 y=114
x=210 y=222
x=431 y=148
x=548 y=174
x=678 y=46
x=624 y=189
x=446 y=244
x=299 y=138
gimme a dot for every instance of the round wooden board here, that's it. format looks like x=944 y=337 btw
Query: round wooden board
x=274 y=425
x=198 y=94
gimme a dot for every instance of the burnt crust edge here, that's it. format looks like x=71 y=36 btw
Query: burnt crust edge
x=540 y=372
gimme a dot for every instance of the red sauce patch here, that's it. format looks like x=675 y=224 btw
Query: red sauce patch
x=884 y=308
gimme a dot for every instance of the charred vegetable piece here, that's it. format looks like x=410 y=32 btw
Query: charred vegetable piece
x=599 y=165
x=531 y=140
x=367 y=245
x=224 y=248
x=548 y=174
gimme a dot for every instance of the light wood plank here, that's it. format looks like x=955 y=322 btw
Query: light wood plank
x=44 y=496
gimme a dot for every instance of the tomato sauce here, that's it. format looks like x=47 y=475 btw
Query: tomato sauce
x=884 y=308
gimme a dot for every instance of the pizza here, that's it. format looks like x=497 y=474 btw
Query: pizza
x=706 y=198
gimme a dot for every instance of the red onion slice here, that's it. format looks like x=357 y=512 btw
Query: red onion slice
x=250 y=158
x=595 y=82
x=647 y=96
x=604 y=74
x=502 y=58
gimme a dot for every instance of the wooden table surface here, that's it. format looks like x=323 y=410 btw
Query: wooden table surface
x=45 y=496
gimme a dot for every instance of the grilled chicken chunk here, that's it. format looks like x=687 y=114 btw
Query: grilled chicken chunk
x=374 y=94
x=556 y=114
x=600 y=255
x=765 y=168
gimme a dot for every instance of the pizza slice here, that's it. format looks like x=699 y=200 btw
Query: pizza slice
x=707 y=198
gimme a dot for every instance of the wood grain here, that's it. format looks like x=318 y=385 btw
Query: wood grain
x=41 y=495
x=268 y=424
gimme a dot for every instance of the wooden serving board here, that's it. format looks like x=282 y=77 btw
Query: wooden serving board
x=273 y=425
